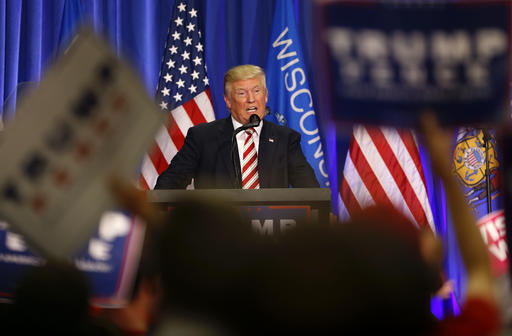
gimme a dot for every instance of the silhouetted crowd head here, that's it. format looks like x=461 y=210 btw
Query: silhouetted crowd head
x=315 y=279
x=52 y=299
x=219 y=277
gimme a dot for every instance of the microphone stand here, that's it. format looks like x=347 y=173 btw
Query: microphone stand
x=233 y=144
x=254 y=121
x=487 y=138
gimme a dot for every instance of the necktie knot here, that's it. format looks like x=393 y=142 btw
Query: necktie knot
x=250 y=131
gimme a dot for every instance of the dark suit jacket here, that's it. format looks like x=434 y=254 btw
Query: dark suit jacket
x=206 y=157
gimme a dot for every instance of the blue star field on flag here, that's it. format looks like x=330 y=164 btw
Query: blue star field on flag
x=183 y=72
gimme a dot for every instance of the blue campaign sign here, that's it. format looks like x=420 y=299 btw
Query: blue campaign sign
x=385 y=62
x=109 y=259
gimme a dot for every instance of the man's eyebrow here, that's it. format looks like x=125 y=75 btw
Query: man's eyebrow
x=243 y=89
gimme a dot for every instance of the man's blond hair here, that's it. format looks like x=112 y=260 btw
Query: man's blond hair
x=242 y=72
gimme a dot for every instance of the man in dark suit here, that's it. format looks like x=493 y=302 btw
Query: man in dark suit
x=276 y=159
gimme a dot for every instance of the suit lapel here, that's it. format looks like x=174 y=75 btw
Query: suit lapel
x=224 y=136
x=266 y=154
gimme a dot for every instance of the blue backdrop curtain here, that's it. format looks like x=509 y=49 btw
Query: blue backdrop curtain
x=236 y=32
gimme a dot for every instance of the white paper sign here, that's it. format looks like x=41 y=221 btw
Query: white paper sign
x=89 y=118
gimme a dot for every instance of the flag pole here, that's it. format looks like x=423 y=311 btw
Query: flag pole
x=486 y=139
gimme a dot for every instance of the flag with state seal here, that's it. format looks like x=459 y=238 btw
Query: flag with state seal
x=470 y=160
x=476 y=165
x=289 y=97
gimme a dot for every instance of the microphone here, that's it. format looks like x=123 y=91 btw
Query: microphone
x=254 y=121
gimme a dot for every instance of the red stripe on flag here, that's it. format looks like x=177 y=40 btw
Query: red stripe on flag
x=175 y=133
x=368 y=176
x=142 y=182
x=398 y=175
x=194 y=112
x=412 y=148
x=209 y=94
x=157 y=158
x=349 y=199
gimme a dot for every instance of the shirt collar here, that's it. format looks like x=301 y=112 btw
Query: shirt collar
x=236 y=124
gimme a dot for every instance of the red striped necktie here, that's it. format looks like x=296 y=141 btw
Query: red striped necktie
x=250 y=179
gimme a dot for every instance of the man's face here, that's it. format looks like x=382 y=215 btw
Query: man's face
x=246 y=97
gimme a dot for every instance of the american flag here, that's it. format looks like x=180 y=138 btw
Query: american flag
x=383 y=167
x=473 y=158
x=182 y=92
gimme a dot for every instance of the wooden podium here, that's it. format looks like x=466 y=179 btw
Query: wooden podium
x=315 y=201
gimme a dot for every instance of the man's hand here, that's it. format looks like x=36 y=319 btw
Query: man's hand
x=135 y=200
x=438 y=142
x=473 y=250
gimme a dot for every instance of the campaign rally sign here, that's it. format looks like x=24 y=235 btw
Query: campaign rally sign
x=492 y=228
x=386 y=62
x=109 y=259
x=276 y=220
x=89 y=118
